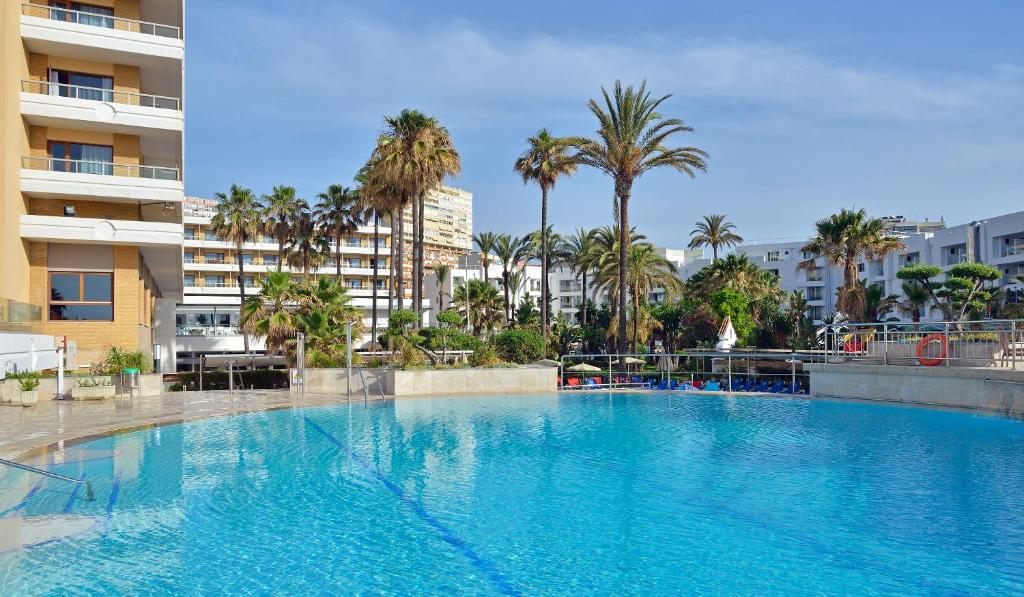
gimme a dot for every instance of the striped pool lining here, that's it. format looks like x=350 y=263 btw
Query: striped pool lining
x=488 y=568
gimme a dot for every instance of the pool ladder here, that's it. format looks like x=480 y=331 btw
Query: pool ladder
x=89 y=496
x=366 y=391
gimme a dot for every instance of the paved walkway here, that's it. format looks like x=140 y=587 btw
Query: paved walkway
x=24 y=428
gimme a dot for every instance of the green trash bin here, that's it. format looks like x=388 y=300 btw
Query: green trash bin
x=130 y=378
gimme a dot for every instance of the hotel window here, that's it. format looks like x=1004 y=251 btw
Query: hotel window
x=190 y=233
x=380 y=284
x=81 y=158
x=81 y=13
x=190 y=257
x=270 y=259
x=249 y=282
x=773 y=256
x=355 y=284
x=215 y=281
x=214 y=257
x=353 y=242
x=190 y=280
x=247 y=258
x=79 y=296
x=353 y=262
x=211 y=235
x=81 y=86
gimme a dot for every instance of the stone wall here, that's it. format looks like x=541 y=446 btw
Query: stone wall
x=434 y=382
x=984 y=389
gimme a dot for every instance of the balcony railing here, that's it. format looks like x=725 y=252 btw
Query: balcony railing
x=103 y=168
x=1013 y=250
x=206 y=330
x=101 y=95
x=100 y=20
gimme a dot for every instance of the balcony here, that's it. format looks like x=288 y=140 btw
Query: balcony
x=97 y=231
x=99 y=181
x=104 y=38
x=88 y=108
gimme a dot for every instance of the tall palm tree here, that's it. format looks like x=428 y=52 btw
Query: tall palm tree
x=606 y=249
x=713 y=231
x=307 y=248
x=416 y=153
x=237 y=219
x=915 y=299
x=280 y=210
x=546 y=159
x=510 y=251
x=485 y=241
x=554 y=255
x=841 y=239
x=338 y=211
x=631 y=140
x=580 y=251
x=441 y=273
x=269 y=314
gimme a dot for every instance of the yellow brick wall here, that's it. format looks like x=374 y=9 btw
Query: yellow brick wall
x=85 y=209
x=126 y=9
x=126 y=151
x=126 y=81
x=37 y=137
x=132 y=307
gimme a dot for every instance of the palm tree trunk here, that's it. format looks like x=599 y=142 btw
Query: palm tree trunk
x=623 y=256
x=486 y=262
x=373 y=282
x=420 y=251
x=241 y=290
x=391 y=263
x=280 y=250
x=504 y=277
x=400 y=285
x=415 y=259
x=337 y=254
x=584 y=318
x=714 y=252
x=544 y=265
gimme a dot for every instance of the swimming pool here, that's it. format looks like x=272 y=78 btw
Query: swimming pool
x=578 y=493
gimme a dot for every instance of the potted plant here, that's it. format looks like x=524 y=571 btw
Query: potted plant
x=93 y=388
x=29 y=383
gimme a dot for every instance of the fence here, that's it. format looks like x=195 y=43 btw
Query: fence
x=763 y=371
x=989 y=343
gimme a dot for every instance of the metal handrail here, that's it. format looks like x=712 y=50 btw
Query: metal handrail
x=77 y=16
x=102 y=168
x=100 y=94
x=89 y=496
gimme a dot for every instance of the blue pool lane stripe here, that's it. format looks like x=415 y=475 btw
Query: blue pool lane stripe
x=485 y=566
x=74 y=494
x=24 y=502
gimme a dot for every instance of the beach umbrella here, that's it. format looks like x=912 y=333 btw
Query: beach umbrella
x=546 y=363
x=631 y=361
x=583 y=367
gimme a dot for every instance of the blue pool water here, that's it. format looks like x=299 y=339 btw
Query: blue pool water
x=580 y=493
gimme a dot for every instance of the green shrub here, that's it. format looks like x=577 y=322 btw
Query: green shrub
x=175 y=387
x=435 y=339
x=486 y=356
x=27 y=380
x=117 y=358
x=519 y=346
x=260 y=379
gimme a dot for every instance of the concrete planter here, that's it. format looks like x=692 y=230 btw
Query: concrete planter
x=29 y=397
x=438 y=382
x=92 y=392
x=961 y=354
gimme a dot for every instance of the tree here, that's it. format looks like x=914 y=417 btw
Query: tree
x=441 y=273
x=377 y=199
x=579 y=250
x=842 y=238
x=546 y=159
x=510 y=251
x=965 y=287
x=486 y=242
x=307 y=248
x=238 y=220
x=713 y=231
x=914 y=300
x=554 y=254
x=280 y=210
x=647 y=270
x=338 y=211
x=796 y=311
x=480 y=304
x=730 y=303
x=877 y=305
x=415 y=153
x=526 y=314
x=922 y=274
x=268 y=314
x=631 y=140
x=448 y=320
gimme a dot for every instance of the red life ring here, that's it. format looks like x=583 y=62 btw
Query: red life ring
x=854 y=344
x=922 y=346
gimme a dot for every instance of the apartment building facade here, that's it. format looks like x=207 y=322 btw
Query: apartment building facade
x=447 y=229
x=91 y=167
x=207 y=320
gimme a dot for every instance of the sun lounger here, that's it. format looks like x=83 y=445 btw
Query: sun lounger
x=713 y=386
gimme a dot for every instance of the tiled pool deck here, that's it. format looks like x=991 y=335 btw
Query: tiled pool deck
x=22 y=429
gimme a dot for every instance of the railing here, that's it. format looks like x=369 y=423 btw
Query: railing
x=88 y=484
x=986 y=343
x=102 y=168
x=99 y=20
x=738 y=370
x=102 y=95
x=15 y=315
x=207 y=330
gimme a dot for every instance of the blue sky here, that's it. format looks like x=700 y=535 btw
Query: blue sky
x=911 y=107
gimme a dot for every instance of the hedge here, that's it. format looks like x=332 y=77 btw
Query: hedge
x=260 y=379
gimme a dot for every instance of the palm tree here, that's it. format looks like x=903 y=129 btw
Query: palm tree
x=510 y=251
x=546 y=159
x=606 y=250
x=485 y=241
x=415 y=153
x=915 y=299
x=280 y=210
x=630 y=141
x=307 y=248
x=797 y=312
x=237 y=219
x=480 y=304
x=842 y=238
x=580 y=251
x=338 y=211
x=647 y=270
x=269 y=314
x=554 y=255
x=714 y=232
x=374 y=202
x=441 y=273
